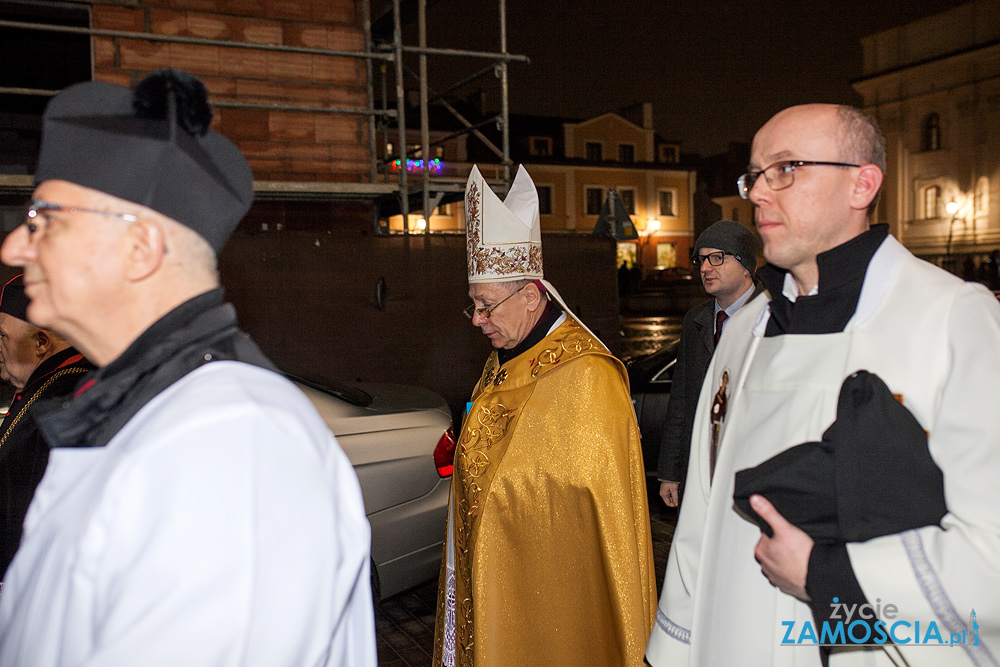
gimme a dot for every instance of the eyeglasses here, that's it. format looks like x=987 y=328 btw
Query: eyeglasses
x=36 y=206
x=780 y=175
x=714 y=258
x=471 y=311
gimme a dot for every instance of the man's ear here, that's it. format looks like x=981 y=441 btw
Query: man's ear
x=43 y=343
x=533 y=296
x=146 y=245
x=866 y=186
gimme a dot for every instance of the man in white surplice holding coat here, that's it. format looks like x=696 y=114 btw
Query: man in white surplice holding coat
x=842 y=297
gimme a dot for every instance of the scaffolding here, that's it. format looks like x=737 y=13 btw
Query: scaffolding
x=381 y=121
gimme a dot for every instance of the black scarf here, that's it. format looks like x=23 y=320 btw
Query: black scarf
x=197 y=332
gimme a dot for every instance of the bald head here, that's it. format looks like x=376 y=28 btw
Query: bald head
x=824 y=170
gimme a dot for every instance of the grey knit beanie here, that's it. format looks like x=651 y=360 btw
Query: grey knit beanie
x=731 y=236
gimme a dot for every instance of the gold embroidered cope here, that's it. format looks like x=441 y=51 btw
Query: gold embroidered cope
x=553 y=559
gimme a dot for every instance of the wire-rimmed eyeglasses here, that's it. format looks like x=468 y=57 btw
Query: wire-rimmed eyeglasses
x=714 y=258
x=37 y=205
x=471 y=311
x=780 y=175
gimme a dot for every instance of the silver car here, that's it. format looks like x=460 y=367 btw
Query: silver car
x=400 y=440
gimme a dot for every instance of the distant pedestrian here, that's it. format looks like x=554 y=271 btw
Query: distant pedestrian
x=623 y=279
x=968 y=269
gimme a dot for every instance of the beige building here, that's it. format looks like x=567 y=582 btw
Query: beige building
x=934 y=86
x=574 y=164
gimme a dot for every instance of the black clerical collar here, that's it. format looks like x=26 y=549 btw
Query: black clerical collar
x=199 y=331
x=841 y=275
x=541 y=330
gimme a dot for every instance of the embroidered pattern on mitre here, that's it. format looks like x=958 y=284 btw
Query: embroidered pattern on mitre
x=504 y=239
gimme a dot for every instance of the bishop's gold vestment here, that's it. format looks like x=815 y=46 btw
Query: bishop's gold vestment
x=553 y=563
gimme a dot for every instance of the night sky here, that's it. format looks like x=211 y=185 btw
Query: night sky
x=715 y=71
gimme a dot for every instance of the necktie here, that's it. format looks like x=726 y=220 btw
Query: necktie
x=720 y=317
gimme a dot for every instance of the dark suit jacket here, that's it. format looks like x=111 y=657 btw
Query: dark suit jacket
x=693 y=356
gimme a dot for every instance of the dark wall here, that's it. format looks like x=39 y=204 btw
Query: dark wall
x=307 y=294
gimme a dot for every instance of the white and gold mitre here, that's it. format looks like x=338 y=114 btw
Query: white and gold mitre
x=503 y=238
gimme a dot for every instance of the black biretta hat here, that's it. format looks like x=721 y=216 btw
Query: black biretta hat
x=13 y=300
x=150 y=145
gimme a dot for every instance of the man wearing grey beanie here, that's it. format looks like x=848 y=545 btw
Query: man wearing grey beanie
x=725 y=256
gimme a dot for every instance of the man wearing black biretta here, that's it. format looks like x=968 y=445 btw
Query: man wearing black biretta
x=196 y=508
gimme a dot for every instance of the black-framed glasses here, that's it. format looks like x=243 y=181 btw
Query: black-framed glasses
x=37 y=206
x=714 y=258
x=471 y=311
x=780 y=175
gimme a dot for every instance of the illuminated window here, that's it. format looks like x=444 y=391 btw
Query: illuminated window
x=666 y=255
x=932 y=202
x=982 y=196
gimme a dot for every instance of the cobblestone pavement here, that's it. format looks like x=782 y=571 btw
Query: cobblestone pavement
x=404 y=624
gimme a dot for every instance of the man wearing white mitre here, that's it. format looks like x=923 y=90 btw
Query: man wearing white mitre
x=548 y=558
